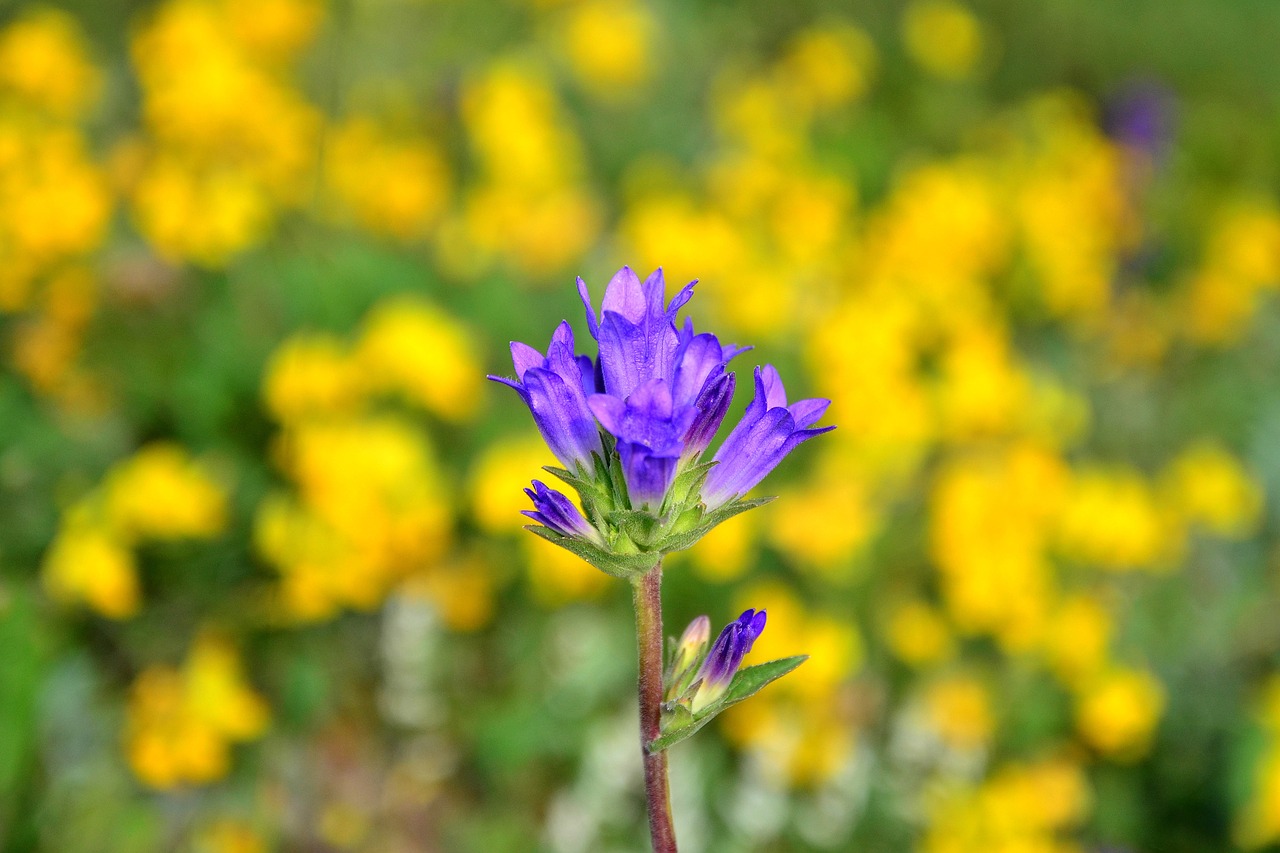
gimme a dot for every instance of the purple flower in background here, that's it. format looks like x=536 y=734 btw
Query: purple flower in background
x=768 y=431
x=726 y=656
x=1141 y=116
x=556 y=512
x=555 y=388
x=650 y=434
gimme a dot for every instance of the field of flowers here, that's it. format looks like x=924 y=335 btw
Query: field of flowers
x=263 y=583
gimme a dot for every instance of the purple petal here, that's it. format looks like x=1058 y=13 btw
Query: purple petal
x=808 y=411
x=624 y=295
x=524 y=357
x=592 y=321
x=610 y=411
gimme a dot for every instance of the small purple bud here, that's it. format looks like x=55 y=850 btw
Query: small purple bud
x=556 y=512
x=725 y=657
x=712 y=404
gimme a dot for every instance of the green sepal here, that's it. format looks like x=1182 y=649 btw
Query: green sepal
x=688 y=484
x=687 y=538
x=640 y=527
x=617 y=565
x=678 y=723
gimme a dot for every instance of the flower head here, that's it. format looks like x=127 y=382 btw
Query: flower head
x=648 y=407
x=725 y=657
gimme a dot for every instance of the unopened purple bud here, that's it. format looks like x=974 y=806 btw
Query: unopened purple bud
x=712 y=404
x=555 y=511
x=725 y=657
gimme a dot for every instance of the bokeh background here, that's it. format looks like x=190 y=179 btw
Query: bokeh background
x=262 y=580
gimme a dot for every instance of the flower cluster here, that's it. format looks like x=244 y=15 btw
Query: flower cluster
x=631 y=425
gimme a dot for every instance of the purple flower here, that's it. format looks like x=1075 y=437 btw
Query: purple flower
x=556 y=512
x=637 y=336
x=725 y=657
x=650 y=434
x=555 y=388
x=768 y=431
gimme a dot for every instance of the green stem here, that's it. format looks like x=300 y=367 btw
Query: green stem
x=648 y=600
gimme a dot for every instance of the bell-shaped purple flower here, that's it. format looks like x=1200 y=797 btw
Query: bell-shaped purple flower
x=637 y=335
x=725 y=657
x=650 y=433
x=768 y=431
x=555 y=511
x=555 y=388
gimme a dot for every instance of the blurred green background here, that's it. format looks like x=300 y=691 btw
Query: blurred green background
x=262 y=580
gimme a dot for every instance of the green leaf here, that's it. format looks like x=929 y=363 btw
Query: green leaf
x=745 y=684
x=617 y=565
x=749 y=681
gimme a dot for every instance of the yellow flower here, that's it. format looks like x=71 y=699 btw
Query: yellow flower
x=829 y=65
x=498 y=478
x=229 y=836
x=369 y=510
x=1076 y=639
x=918 y=634
x=43 y=60
x=311 y=374
x=824 y=524
x=275 y=30
x=89 y=564
x=410 y=347
x=1112 y=519
x=959 y=710
x=393 y=185
x=943 y=36
x=180 y=724
x=609 y=44
x=1208 y=486
x=161 y=492
x=1117 y=713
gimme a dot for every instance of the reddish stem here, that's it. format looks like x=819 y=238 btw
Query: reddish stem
x=648 y=601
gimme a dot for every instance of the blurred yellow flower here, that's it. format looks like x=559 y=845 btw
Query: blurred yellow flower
x=229 y=836
x=918 y=634
x=943 y=36
x=1117 y=714
x=161 y=492
x=1208 y=486
x=1076 y=639
x=181 y=723
x=1112 y=519
x=829 y=65
x=395 y=185
x=44 y=60
x=410 y=347
x=311 y=374
x=369 y=509
x=609 y=44
x=88 y=564
x=959 y=710
x=498 y=478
